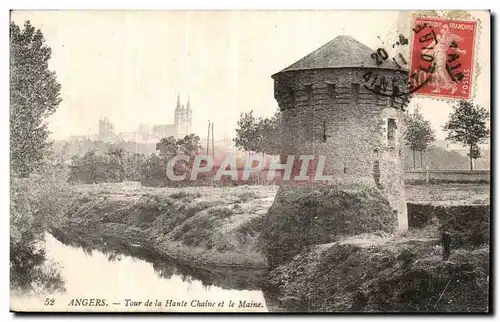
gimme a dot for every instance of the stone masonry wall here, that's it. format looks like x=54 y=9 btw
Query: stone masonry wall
x=335 y=103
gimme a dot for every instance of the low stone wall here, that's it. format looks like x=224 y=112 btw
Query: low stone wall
x=459 y=176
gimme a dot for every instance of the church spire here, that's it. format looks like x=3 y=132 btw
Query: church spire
x=178 y=102
x=189 y=113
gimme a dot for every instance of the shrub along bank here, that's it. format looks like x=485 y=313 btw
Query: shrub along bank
x=469 y=225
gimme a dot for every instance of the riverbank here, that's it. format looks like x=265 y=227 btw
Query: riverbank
x=217 y=226
x=195 y=226
x=220 y=228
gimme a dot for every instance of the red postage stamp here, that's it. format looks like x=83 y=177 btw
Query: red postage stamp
x=442 y=57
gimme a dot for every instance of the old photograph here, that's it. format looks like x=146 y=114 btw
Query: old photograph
x=250 y=161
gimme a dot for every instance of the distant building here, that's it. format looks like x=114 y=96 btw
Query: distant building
x=151 y=133
x=128 y=136
x=106 y=130
x=182 y=123
x=144 y=133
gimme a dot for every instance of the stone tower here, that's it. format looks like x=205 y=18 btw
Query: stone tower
x=334 y=103
x=183 y=118
x=105 y=129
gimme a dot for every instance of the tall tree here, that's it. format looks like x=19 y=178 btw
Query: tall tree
x=168 y=147
x=467 y=125
x=115 y=157
x=271 y=137
x=153 y=170
x=133 y=165
x=246 y=132
x=189 y=145
x=34 y=95
x=419 y=134
x=258 y=134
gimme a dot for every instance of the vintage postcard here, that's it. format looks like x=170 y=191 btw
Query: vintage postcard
x=250 y=161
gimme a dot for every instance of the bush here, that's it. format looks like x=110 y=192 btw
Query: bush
x=220 y=212
x=419 y=215
x=469 y=225
x=185 y=194
x=300 y=218
x=196 y=232
x=252 y=227
x=246 y=196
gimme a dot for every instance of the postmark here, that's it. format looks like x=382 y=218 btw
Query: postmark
x=442 y=57
x=396 y=86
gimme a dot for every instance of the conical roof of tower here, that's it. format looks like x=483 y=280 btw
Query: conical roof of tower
x=341 y=52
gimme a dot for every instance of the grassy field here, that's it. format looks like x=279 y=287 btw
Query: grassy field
x=432 y=193
x=449 y=194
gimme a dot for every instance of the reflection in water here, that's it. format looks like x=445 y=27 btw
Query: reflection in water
x=115 y=278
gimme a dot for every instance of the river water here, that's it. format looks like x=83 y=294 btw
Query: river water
x=114 y=278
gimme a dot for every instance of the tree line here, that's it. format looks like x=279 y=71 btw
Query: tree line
x=117 y=165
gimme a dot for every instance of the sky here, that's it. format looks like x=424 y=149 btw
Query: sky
x=130 y=66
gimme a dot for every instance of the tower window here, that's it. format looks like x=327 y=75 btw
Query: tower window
x=355 y=93
x=309 y=92
x=331 y=90
x=324 y=136
x=391 y=131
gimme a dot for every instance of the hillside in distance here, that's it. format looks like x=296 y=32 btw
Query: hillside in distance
x=438 y=158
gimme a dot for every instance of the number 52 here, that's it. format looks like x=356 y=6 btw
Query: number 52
x=49 y=301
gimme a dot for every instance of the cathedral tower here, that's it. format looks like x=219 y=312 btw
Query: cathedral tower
x=183 y=118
